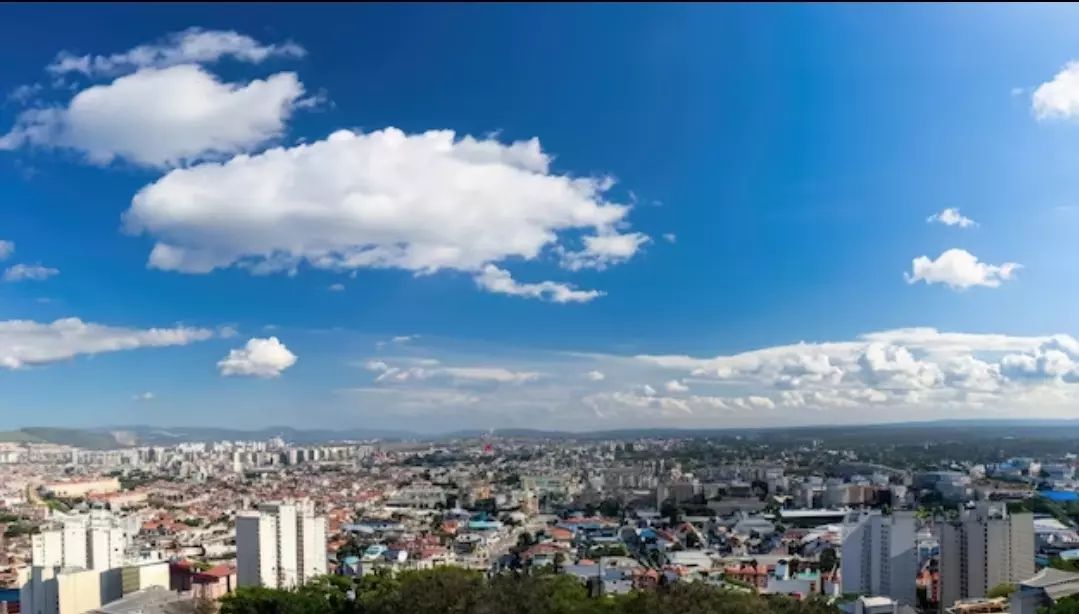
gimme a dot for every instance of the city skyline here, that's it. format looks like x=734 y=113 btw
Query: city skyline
x=564 y=218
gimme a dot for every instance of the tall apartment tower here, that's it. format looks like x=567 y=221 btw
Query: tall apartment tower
x=282 y=545
x=879 y=556
x=99 y=545
x=986 y=546
x=311 y=540
x=65 y=546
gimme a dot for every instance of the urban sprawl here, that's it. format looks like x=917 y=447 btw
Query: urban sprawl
x=870 y=522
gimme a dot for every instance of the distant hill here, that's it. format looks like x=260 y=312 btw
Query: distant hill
x=153 y=435
x=17 y=436
x=116 y=437
x=78 y=438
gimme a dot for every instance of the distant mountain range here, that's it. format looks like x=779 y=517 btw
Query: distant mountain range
x=115 y=437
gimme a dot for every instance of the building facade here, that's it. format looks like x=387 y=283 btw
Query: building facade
x=986 y=546
x=879 y=555
x=281 y=545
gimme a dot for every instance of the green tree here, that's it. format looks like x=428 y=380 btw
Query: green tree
x=1001 y=590
x=669 y=510
x=829 y=560
x=611 y=508
x=452 y=590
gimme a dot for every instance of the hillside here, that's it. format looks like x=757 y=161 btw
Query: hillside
x=60 y=436
x=17 y=436
x=148 y=435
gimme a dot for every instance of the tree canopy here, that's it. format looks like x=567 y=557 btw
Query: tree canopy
x=454 y=590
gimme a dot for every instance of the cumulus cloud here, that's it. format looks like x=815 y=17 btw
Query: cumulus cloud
x=670 y=237
x=499 y=281
x=337 y=288
x=7 y=248
x=191 y=46
x=423 y=203
x=595 y=376
x=916 y=370
x=27 y=343
x=951 y=217
x=675 y=386
x=959 y=269
x=604 y=250
x=24 y=272
x=1059 y=97
x=883 y=376
x=387 y=373
x=163 y=117
x=263 y=358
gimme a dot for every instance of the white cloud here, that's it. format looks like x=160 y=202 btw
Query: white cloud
x=263 y=358
x=918 y=370
x=27 y=343
x=163 y=117
x=227 y=332
x=670 y=237
x=25 y=93
x=675 y=386
x=403 y=338
x=7 y=248
x=337 y=288
x=145 y=396
x=24 y=272
x=595 y=376
x=499 y=281
x=1059 y=98
x=396 y=374
x=418 y=202
x=884 y=376
x=951 y=217
x=604 y=250
x=192 y=46
x=959 y=269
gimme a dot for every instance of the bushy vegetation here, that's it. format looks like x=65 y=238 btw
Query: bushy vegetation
x=453 y=590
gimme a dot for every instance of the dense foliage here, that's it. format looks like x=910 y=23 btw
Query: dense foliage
x=452 y=590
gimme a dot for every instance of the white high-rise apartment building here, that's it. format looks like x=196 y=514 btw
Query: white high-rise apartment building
x=81 y=543
x=64 y=546
x=986 y=546
x=311 y=541
x=879 y=557
x=281 y=545
x=107 y=545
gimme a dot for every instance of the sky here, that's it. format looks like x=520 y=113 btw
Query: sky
x=574 y=217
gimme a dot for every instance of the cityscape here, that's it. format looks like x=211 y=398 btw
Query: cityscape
x=539 y=308
x=906 y=518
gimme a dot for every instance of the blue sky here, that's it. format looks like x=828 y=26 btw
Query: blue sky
x=725 y=212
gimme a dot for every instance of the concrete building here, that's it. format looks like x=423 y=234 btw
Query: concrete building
x=86 y=542
x=985 y=547
x=879 y=556
x=1043 y=590
x=106 y=547
x=54 y=590
x=281 y=545
x=68 y=490
x=311 y=541
x=63 y=546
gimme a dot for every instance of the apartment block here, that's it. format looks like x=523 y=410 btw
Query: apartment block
x=281 y=545
x=879 y=555
x=984 y=547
